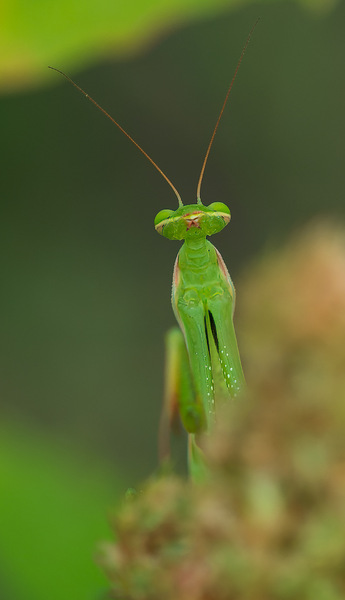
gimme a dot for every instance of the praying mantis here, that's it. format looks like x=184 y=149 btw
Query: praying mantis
x=203 y=360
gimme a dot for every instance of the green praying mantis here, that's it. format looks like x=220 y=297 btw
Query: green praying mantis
x=203 y=361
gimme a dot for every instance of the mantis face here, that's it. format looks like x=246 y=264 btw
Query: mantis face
x=192 y=221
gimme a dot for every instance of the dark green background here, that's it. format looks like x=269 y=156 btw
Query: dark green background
x=85 y=294
x=85 y=279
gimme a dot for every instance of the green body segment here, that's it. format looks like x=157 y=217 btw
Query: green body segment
x=203 y=299
x=179 y=394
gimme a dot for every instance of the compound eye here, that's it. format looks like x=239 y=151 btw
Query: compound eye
x=219 y=207
x=163 y=215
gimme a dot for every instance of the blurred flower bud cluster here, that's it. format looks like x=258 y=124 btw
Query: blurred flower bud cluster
x=269 y=523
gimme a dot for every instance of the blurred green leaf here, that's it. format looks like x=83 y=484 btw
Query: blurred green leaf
x=53 y=513
x=73 y=33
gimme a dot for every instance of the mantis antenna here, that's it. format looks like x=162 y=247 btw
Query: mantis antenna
x=123 y=131
x=222 y=110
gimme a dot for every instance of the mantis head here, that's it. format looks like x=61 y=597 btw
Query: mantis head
x=192 y=221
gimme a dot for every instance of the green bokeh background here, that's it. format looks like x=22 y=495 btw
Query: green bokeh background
x=85 y=295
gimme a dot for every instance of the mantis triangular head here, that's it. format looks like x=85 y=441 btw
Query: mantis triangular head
x=192 y=221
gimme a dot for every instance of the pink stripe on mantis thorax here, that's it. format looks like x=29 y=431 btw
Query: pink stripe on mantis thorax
x=225 y=272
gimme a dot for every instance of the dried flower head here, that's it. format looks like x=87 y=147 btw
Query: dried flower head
x=269 y=524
